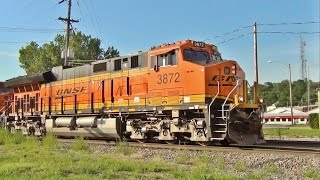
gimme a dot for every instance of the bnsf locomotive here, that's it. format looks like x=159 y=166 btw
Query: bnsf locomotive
x=182 y=91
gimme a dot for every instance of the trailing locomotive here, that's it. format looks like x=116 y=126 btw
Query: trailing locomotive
x=181 y=91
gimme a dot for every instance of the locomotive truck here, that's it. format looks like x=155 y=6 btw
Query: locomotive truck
x=182 y=91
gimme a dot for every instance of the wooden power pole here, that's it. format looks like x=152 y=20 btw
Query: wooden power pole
x=68 y=21
x=255 y=49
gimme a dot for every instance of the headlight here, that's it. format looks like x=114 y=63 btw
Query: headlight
x=234 y=69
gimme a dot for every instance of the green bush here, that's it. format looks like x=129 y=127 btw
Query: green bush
x=314 y=120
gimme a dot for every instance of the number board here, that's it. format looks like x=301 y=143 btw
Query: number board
x=199 y=44
x=168 y=78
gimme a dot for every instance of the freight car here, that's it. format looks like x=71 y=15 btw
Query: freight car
x=183 y=91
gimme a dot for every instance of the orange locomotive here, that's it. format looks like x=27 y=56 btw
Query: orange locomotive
x=6 y=95
x=179 y=91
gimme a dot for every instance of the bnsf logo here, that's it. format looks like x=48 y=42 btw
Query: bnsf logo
x=74 y=90
x=224 y=80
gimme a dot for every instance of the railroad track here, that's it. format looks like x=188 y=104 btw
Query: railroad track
x=268 y=149
x=312 y=144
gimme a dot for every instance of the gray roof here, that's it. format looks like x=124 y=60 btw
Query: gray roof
x=285 y=111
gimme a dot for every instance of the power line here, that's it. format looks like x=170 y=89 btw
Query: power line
x=25 y=29
x=279 y=32
x=269 y=24
x=227 y=33
x=13 y=42
x=94 y=14
x=231 y=39
x=90 y=18
x=82 y=15
x=20 y=42
x=289 y=23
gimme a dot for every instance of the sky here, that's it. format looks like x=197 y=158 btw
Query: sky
x=131 y=26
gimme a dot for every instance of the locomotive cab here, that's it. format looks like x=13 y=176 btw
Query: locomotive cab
x=203 y=89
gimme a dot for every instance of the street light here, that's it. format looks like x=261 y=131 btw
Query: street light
x=290 y=88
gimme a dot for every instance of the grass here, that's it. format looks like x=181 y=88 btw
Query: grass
x=271 y=168
x=80 y=145
x=240 y=166
x=311 y=173
x=123 y=147
x=28 y=157
x=294 y=131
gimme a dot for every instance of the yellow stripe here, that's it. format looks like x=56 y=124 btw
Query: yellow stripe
x=124 y=73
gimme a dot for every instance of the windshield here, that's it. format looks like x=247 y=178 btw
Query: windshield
x=191 y=55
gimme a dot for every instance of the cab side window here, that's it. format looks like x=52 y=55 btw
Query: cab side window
x=162 y=60
x=172 y=58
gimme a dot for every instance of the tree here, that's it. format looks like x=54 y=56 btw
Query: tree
x=28 y=57
x=268 y=93
x=279 y=93
x=110 y=53
x=283 y=94
x=35 y=58
x=299 y=87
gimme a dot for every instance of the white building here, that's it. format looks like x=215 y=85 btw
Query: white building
x=282 y=116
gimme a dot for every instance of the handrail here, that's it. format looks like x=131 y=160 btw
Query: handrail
x=212 y=103
x=224 y=103
x=6 y=109
x=2 y=108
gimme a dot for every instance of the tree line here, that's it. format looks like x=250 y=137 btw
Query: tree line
x=34 y=58
x=278 y=93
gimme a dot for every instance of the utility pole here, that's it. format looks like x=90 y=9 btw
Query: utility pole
x=68 y=20
x=319 y=106
x=255 y=48
x=308 y=86
x=290 y=94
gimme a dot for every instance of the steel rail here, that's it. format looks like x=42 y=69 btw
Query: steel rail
x=267 y=149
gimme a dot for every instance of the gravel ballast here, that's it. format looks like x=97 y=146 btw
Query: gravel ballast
x=242 y=164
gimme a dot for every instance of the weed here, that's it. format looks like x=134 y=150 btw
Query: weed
x=49 y=141
x=80 y=145
x=311 y=173
x=183 y=158
x=158 y=167
x=110 y=174
x=123 y=147
x=240 y=166
x=157 y=158
x=220 y=163
x=3 y=136
x=13 y=139
x=256 y=175
x=272 y=168
x=204 y=159
x=31 y=142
